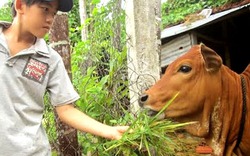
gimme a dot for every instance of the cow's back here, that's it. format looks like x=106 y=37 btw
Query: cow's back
x=246 y=72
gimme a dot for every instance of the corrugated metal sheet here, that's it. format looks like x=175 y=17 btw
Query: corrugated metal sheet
x=175 y=30
x=175 y=48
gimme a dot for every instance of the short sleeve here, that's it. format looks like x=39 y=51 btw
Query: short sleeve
x=60 y=87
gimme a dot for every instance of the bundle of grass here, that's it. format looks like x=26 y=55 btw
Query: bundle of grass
x=149 y=137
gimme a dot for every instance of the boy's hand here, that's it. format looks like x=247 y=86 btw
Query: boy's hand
x=118 y=132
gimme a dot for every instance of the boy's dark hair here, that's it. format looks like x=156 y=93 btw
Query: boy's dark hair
x=27 y=2
x=64 y=5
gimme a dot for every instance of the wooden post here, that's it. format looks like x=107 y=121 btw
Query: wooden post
x=59 y=39
x=143 y=18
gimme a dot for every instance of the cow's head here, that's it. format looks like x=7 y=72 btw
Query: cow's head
x=195 y=77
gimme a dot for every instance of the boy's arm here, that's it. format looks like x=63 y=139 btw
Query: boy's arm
x=80 y=121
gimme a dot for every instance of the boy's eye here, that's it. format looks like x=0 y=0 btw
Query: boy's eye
x=45 y=9
x=48 y=10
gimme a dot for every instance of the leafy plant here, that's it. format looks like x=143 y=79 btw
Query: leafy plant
x=174 y=12
x=99 y=71
x=149 y=136
x=5 y=12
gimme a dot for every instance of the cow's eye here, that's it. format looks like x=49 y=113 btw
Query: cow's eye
x=185 y=69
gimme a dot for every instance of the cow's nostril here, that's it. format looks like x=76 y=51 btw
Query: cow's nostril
x=143 y=98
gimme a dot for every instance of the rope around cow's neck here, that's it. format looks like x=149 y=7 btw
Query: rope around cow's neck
x=244 y=109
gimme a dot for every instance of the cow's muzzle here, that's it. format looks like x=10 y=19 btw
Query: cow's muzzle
x=142 y=102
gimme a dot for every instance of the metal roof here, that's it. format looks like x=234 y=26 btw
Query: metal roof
x=175 y=30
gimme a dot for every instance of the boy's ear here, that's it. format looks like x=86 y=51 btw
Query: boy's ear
x=19 y=6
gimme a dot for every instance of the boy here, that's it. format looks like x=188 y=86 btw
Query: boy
x=29 y=68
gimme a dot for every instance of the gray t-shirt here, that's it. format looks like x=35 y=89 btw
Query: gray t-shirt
x=24 y=79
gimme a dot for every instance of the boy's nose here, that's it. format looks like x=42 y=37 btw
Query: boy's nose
x=50 y=18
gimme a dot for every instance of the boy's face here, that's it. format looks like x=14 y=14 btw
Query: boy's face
x=38 y=18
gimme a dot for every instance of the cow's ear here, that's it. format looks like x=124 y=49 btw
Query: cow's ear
x=212 y=60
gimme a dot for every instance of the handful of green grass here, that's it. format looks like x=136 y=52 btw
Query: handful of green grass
x=149 y=136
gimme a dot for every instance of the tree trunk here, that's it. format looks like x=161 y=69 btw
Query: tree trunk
x=143 y=30
x=85 y=5
x=83 y=17
x=59 y=39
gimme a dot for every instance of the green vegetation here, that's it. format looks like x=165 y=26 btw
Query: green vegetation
x=149 y=136
x=5 y=12
x=100 y=72
x=174 y=12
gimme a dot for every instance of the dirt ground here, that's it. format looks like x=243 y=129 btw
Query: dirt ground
x=187 y=144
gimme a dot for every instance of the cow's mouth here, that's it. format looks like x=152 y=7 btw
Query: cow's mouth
x=154 y=113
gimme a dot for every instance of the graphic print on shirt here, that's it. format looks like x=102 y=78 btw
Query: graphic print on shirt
x=35 y=70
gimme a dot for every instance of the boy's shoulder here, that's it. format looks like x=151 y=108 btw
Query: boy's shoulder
x=43 y=48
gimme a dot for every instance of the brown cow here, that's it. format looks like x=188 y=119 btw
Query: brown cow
x=209 y=93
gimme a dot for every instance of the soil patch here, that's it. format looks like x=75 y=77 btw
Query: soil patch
x=187 y=144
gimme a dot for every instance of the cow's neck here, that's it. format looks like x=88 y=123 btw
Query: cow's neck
x=227 y=110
